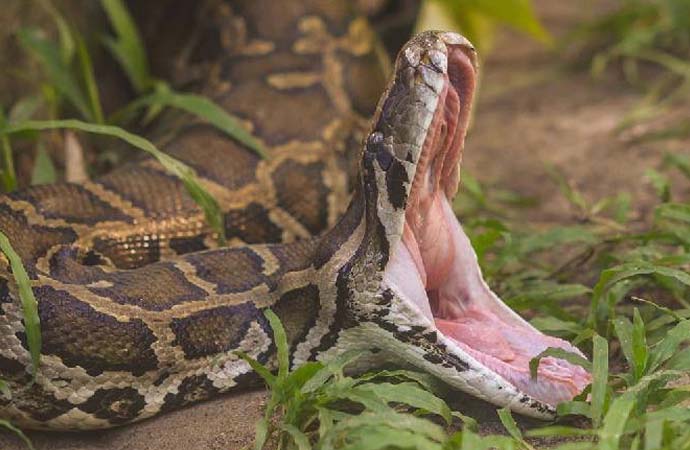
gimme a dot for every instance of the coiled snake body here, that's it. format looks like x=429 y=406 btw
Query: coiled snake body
x=140 y=313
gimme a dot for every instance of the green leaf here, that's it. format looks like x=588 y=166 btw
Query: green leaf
x=18 y=432
x=680 y=162
x=127 y=46
x=57 y=70
x=8 y=178
x=512 y=428
x=5 y=390
x=333 y=367
x=300 y=439
x=669 y=345
x=185 y=173
x=600 y=376
x=43 y=171
x=259 y=368
x=205 y=109
x=89 y=78
x=25 y=108
x=409 y=394
x=660 y=183
x=614 y=422
x=32 y=323
x=261 y=434
x=280 y=340
x=559 y=353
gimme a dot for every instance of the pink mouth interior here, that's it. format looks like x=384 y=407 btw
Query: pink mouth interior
x=435 y=267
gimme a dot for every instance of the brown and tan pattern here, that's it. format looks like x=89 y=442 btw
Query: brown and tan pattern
x=142 y=314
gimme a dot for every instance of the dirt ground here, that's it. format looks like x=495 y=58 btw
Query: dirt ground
x=530 y=111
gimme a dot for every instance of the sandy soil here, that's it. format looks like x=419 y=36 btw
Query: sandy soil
x=530 y=111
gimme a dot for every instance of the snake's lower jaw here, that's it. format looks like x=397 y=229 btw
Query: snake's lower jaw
x=453 y=298
x=434 y=269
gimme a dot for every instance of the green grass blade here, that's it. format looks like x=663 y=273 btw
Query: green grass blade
x=512 y=428
x=280 y=340
x=20 y=434
x=559 y=353
x=300 y=439
x=32 y=323
x=600 y=376
x=8 y=177
x=89 y=78
x=185 y=173
x=57 y=70
x=205 y=109
x=639 y=345
x=408 y=393
x=669 y=345
x=614 y=422
x=43 y=171
x=259 y=368
x=127 y=46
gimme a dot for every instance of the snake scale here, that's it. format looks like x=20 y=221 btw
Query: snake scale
x=345 y=232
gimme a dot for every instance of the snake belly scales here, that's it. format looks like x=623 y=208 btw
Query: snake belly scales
x=344 y=231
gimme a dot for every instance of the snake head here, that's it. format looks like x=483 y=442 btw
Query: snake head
x=431 y=306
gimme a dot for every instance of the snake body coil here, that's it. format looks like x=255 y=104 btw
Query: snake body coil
x=140 y=313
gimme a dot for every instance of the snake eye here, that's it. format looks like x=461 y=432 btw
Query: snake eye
x=375 y=142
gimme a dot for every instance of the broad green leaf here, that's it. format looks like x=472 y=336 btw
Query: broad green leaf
x=32 y=322
x=600 y=376
x=410 y=394
x=669 y=345
x=614 y=422
x=205 y=109
x=679 y=161
x=43 y=171
x=333 y=367
x=127 y=46
x=261 y=434
x=185 y=173
x=300 y=439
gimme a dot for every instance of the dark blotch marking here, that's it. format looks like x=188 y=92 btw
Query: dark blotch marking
x=185 y=245
x=4 y=294
x=155 y=287
x=301 y=192
x=192 y=389
x=31 y=241
x=117 y=405
x=231 y=269
x=70 y=202
x=298 y=310
x=214 y=330
x=251 y=225
x=396 y=182
x=38 y=403
x=81 y=336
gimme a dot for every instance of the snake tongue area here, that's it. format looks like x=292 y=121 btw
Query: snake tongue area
x=435 y=269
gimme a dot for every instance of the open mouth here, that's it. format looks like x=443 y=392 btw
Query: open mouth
x=435 y=268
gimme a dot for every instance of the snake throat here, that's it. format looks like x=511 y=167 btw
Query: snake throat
x=435 y=268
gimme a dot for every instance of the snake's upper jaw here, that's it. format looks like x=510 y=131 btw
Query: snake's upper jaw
x=433 y=270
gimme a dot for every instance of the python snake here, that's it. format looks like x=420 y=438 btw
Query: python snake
x=353 y=246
